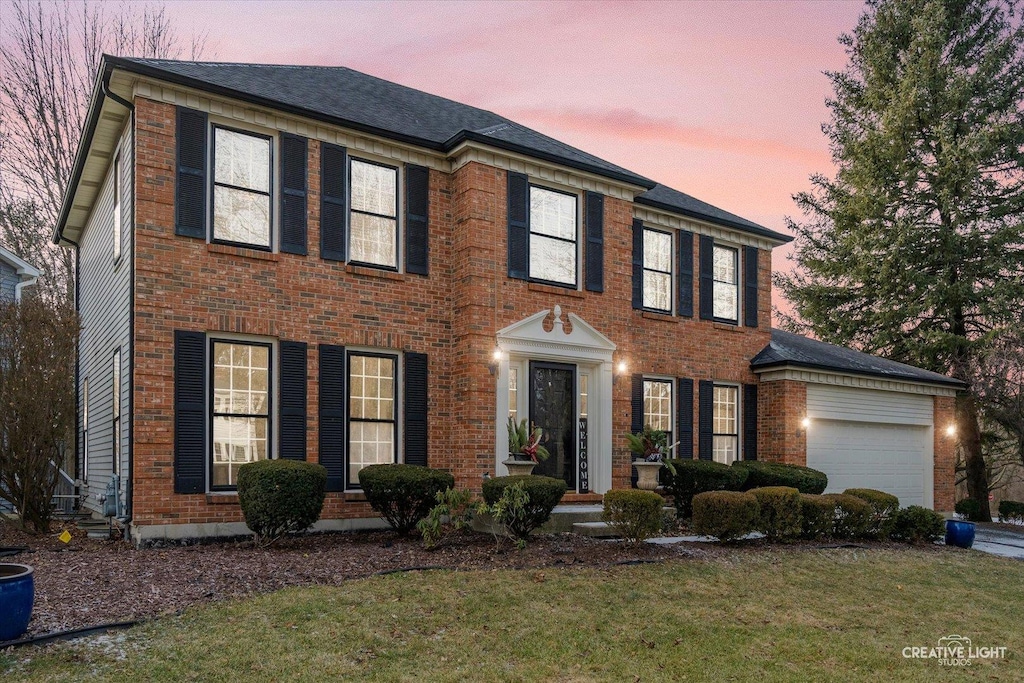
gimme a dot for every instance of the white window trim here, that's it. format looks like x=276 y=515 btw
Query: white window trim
x=739 y=417
x=566 y=190
x=399 y=358
x=672 y=269
x=117 y=191
x=399 y=169
x=738 y=249
x=85 y=431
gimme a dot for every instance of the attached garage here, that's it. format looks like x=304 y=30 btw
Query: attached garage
x=864 y=438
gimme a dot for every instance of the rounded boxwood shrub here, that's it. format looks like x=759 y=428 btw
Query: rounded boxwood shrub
x=761 y=474
x=852 y=516
x=817 y=516
x=916 y=524
x=1011 y=511
x=542 y=495
x=403 y=494
x=884 y=507
x=780 y=514
x=278 y=497
x=726 y=515
x=969 y=509
x=633 y=514
x=698 y=476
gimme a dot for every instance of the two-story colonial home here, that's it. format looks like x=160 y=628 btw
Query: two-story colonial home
x=313 y=263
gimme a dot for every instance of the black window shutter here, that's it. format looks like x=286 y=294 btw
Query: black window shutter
x=189 y=412
x=293 y=194
x=750 y=255
x=417 y=202
x=332 y=414
x=684 y=418
x=638 y=263
x=518 y=226
x=705 y=421
x=595 y=242
x=292 y=434
x=707 y=277
x=416 y=409
x=190 y=188
x=333 y=202
x=750 y=422
x=685 y=277
x=636 y=404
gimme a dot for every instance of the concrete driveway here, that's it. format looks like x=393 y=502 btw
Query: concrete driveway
x=999 y=541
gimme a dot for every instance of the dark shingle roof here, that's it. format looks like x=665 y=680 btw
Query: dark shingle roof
x=662 y=197
x=787 y=348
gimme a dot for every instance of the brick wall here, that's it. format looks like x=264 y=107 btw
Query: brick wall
x=945 y=455
x=781 y=408
x=452 y=315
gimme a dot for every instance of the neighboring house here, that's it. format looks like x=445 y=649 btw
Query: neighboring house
x=15 y=275
x=313 y=263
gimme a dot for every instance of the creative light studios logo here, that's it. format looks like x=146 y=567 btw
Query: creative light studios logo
x=954 y=650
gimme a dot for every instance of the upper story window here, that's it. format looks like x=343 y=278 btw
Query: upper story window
x=725 y=424
x=117 y=207
x=242 y=188
x=373 y=222
x=239 y=409
x=657 y=270
x=726 y=284
x=553 y=236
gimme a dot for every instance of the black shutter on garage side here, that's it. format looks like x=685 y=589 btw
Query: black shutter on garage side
x=707 y=277
x=684 y=418
x=705 y=422
x=685 y=279
x=292 y=429
x=750 y=255
x=190 y=186
x=417 y=234
x=595 y=242
x=333 y=202
x=416 y=409
x=189 y=412
x=638 y=263
x=636 y=404
x=294 y=179
x=750 y=422
x=332 y=414
x=518 y=226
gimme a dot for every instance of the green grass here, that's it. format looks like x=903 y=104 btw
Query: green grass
x=842 y=615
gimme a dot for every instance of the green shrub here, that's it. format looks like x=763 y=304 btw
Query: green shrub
x=852 y=518
x=542 y=495
x=726 y=515
x=635 y=515
x=1011 y=511
x=780 y=512
x=455 y=505
x=762 y=474
x=403 y=494
x=278 y=497
x=916 y=524
x=698 y=476
x=817 y=516
x=969 y=509
x=884 y=507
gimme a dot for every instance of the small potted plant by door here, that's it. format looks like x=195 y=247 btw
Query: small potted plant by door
x=524 y=449
x=650 y=449
x=17 y=593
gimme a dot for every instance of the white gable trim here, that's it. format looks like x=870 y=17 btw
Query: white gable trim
x=583 y=343
x=851 y=380
x=24 y=268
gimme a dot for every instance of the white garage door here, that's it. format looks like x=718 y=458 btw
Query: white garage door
x=872 y=439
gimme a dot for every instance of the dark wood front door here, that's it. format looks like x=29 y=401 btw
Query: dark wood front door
x=553 y=409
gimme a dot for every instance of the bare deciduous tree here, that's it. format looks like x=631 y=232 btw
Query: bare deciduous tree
x=49 y=58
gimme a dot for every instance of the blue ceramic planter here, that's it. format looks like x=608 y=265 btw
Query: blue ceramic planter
x=17 y=593
x=959 y=533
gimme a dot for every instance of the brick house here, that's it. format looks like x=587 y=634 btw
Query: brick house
x=313 y=263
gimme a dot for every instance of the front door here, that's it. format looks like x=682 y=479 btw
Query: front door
x=553 y=409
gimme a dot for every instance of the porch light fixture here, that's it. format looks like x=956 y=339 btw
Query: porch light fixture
x=951 y=429
x=804 y=424
x=620 y=369
x=496 y=359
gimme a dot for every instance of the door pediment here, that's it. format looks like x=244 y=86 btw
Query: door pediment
x=577 y=340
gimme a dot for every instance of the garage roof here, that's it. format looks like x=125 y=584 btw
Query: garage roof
x=795 y=350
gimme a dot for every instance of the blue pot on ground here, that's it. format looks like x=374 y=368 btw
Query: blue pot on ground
x=959 y=533
x=17 y=593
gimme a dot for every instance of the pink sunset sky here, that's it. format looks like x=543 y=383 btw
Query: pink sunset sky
x=721 y=100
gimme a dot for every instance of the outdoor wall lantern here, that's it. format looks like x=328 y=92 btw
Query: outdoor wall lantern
x=804 y=424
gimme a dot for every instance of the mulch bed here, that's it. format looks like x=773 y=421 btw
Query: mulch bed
x=88 y=582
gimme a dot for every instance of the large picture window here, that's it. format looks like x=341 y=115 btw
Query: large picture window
x=242 y=188
x=553 y=235
x=240 y=408
x=726 y=284
x=372 y=414
x=658 y=406
x=657 y=270
x=373 y=224
x=725 y=424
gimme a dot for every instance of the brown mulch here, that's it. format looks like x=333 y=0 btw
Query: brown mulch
x=88 y=582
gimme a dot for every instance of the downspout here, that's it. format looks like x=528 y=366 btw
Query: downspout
x=22 y=284
x=78 y=388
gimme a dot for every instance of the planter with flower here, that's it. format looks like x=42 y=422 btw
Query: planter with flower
x=650 y=450
x=524 y=449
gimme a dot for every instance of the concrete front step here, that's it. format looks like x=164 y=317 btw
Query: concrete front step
x=594 y=530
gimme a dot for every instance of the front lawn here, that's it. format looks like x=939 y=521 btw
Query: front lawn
x=765 y=615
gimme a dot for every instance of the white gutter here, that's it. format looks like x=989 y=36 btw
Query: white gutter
x=28 y=274
x=24 y=283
